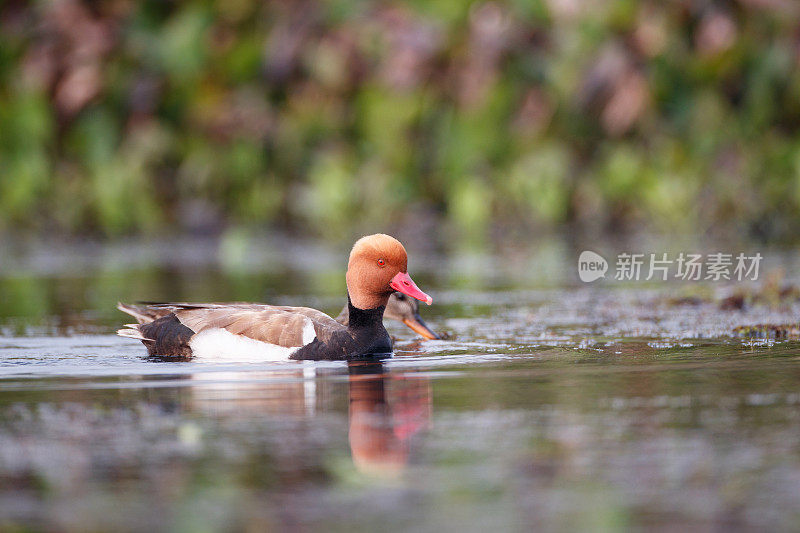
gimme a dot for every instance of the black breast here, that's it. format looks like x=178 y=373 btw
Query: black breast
x=364 y=336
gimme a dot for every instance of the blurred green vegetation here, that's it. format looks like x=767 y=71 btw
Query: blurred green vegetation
x=336 y=117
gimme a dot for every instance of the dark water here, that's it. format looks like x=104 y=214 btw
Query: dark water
x=555 y=406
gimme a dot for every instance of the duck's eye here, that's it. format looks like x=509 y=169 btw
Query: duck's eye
x=400 y=296
x=381 y=262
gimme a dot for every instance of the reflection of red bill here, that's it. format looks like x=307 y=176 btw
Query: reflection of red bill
x=411 y=407
x=402 y=282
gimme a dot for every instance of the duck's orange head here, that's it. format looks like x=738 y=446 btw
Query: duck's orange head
x=378 y=266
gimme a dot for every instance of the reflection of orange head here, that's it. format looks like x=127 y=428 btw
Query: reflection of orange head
x=375 y=448
x=380 y=427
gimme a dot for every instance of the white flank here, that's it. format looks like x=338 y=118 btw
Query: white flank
x=221 y=344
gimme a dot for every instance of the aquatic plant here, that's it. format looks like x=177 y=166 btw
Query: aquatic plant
x=332 y=116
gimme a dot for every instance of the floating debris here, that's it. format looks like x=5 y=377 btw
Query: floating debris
x=768 y=331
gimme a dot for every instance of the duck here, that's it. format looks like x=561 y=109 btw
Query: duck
x=400 y=308
x=377 y=267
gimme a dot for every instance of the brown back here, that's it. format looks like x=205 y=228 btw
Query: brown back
x=280 y=325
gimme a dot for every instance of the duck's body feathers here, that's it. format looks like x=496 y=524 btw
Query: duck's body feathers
x=253 y=331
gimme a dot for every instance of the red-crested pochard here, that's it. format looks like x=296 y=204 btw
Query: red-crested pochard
x=377 y=267
x=400 y=308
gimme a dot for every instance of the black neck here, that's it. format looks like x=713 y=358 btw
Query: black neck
x=366 y=328
x=364 y=318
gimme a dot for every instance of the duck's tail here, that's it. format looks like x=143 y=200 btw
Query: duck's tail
x=131 y=331
x=142 y=314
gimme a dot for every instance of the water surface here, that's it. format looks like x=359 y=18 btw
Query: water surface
x=553 y=405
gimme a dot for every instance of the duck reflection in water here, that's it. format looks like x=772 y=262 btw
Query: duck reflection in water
x=386 y=411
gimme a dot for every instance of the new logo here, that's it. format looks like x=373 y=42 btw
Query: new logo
x=591 y=266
